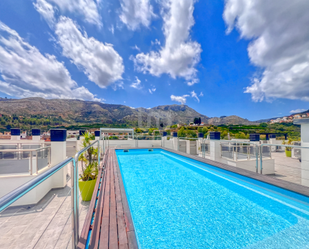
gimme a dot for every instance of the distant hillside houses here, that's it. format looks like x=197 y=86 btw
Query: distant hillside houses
x=289 y=119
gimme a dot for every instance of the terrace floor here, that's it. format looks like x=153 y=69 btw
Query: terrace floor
x=44 y=225
x=287 y=168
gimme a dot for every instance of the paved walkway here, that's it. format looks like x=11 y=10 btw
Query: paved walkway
x=44 y=225
x=287 y=168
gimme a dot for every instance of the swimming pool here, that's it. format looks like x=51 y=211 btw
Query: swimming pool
x=178 y=202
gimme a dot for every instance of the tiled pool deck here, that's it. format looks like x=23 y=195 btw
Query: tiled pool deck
x=44 y=225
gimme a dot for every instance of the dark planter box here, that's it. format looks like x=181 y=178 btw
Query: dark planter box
x=254 y=137
x=36 y=132
x=174 y=134
x=15 y=132
x=97 y=133
x=214 y=135
x=164 y=133
x=201 y=135
x=82 y=132
x=58 y=135
x=272 y=135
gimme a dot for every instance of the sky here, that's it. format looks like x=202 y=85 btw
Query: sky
x=232 y=57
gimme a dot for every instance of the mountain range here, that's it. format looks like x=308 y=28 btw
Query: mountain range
x=86 y=112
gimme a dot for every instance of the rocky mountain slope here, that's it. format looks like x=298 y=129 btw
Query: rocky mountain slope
x=78 y=111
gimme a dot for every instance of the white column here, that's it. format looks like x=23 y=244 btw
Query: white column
x=215 y=150
x=58 y=154
x=175 y=143
x=188 y=146
x=164 y=139
x=305 y=154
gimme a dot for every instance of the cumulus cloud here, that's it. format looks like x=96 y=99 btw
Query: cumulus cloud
x=46 y=10
x=136 y=84
x=179 y=55
x=88 y=9
x=135 y=13
x=26 y=72
x=298 y=110
x=280 y=45
x=194 y=95
x=99 y=61
x=181 y=99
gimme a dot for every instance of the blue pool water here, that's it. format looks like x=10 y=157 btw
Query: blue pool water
x=177 y=202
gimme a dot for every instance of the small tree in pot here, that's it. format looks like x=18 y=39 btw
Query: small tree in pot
x=288 y=150
x=89 y=163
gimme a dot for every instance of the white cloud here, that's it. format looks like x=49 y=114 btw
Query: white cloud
x=152 y=90
x=298 y=110
x=135 y=13
x=136 y=84
x=118 y=85
x=136 y=48
x=88 y=9
x=46 y=10
x=192 y=82
x=99 y=61
x=194 y=95
x=201 y=94
x=156 y=42
x=26 y=72
x=180 y=99
x=280 y=46
x=179 y=56
x=111 y=29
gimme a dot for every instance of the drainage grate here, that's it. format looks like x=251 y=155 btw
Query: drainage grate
x=150 y=150
x=125 y=150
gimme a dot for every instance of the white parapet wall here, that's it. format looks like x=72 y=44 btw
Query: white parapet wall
x=10 y=182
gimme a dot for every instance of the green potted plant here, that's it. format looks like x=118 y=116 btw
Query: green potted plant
x=89 y=163
x=288 y=150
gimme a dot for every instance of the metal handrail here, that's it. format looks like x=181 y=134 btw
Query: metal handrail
x=22 y=150
x=75 y=195
x=11 y=197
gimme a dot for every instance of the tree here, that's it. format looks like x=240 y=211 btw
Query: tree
x=181 y=132
x=138 y=130
x=263 y=125
x=204 y=130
